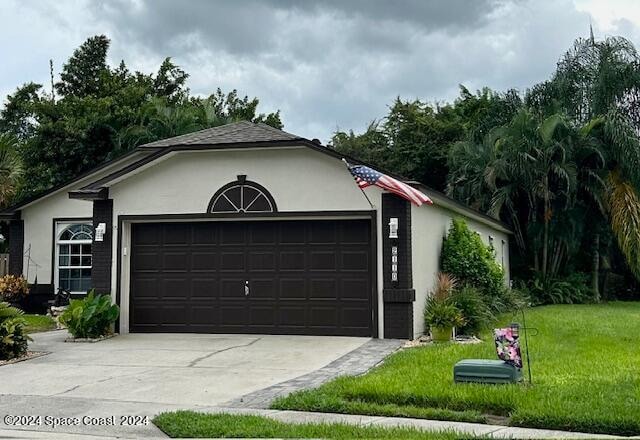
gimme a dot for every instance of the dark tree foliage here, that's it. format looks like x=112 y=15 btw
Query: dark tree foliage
x=415 y=137
x=98 y=113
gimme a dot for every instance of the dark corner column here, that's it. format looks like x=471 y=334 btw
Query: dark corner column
x=102 y=250
x=398 y=293
x=16 y=245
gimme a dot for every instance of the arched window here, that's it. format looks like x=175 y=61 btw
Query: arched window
x=242 y=196
x=73 y=256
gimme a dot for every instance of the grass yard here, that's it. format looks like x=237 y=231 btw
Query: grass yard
x=191 y=424
x=39 y=323
x=586 y=377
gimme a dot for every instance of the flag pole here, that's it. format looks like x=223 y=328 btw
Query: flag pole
x=361 y=190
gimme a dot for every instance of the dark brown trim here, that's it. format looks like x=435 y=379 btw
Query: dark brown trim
x=8 y=216
x=55 y=220
x=242 y=180
x=374 y=274
x=101 y=193
x=371 y=215
x=245 y=216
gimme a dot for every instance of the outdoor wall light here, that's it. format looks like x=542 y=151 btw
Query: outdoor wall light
x=100 y=231
x=393 y=227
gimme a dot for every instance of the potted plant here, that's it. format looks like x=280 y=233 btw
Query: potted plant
x=441 y=314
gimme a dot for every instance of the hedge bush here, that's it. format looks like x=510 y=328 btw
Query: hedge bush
x=470 y=261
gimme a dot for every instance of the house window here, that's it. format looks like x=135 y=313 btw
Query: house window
x=73 y=248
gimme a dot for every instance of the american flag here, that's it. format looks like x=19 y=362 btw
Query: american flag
x=366 y=176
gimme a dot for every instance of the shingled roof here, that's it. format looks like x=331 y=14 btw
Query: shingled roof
x=234 y=133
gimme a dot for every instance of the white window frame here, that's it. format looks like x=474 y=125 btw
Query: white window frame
x=61 y=227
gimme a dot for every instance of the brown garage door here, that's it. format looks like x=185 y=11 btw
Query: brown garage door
x=309 y=277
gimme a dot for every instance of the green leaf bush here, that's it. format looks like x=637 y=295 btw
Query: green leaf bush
x=473 y=306
x=90 y=317
x=470 y=261
x=13 y=337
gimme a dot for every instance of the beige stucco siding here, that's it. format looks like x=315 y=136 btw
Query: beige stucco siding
x=429 y=225
x=38 y=221
x=299 y=179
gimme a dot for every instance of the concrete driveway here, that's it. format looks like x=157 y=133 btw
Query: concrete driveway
x=140 y=374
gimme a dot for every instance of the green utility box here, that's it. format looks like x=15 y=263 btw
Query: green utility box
x=486 y=371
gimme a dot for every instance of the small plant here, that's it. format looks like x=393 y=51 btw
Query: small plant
x=13 y=338
x=90 y=317
x=13 y=288
x=475 y=310
x=441 y=314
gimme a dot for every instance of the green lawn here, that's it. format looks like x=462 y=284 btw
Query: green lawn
x=39 y=323
x=586 y=377
x=192 y=424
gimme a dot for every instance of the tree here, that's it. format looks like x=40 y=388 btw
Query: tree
x=102 y=112
x=11 y=169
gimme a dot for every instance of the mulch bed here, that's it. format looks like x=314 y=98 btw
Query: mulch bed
x=101 y=338
x=26 y=357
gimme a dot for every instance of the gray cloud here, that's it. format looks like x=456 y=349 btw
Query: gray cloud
x=325 y=64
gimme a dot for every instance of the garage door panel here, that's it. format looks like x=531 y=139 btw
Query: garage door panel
x=355 y=288
x=262 y=289
x=204 y=261
x=323 y=316
x=232 y=288
x=292 y=260
x=292 y=233
x=232 y=261
x=322 y=233
x=262 y=261
x=202 y=234
x=292 y=316
x=266 y=234
x=354 y=233
x=322 y=260
x=232 y=233
x=324 y=288
x=262 y=316
x=232 y=315
x=204 y=288
x=305 y=277
x=175 y=288
x=145 y=287
x=175 y=261
x=293 y=289
x=177 y=234
x=354 y=261
x=146 y=261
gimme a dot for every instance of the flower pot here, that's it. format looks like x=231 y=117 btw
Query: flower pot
x=441 y=334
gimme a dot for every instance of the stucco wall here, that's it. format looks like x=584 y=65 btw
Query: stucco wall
x=299 y=179
x=429 y=226
x=38 y=222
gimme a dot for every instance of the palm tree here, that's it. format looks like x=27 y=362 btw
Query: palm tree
x=11 y=168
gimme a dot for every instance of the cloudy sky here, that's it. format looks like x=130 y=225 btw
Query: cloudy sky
x=326 y=64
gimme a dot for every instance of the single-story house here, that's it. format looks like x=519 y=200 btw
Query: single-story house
x=241 y=228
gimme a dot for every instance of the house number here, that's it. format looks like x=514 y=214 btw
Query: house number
x=394 y=263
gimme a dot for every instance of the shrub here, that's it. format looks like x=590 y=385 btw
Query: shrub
x=13 y=338
x=13 y=288
x=440 y=310
x=476 y=312
x=470 y=261
x=572 y=289
x=90 y=317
